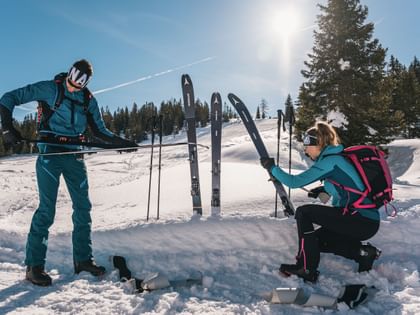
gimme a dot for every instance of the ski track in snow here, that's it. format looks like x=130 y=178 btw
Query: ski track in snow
x=238 y=253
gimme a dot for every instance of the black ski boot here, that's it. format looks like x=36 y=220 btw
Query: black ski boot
x=367 y=255
x=89 y=266
x=301 y=272
x=121 y=265
x=38 y=276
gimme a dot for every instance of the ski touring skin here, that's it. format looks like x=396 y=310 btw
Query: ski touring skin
x=350 y=294
x=216 y=143
x=154 y=281
x=261 y=149
x=189 y=107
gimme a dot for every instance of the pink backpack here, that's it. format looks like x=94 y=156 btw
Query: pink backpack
x=373 y=169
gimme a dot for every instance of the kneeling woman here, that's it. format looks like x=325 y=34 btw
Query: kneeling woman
x=342 y=227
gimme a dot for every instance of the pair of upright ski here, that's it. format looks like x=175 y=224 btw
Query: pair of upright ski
x=216 y=124
x=216 y=133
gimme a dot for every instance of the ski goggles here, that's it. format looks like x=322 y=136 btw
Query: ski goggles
x=309 y=140
x=77 y=78
x=72 y=84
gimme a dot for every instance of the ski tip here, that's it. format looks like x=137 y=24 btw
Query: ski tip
x=186 y=80
x=216 y=98
x=234 y=99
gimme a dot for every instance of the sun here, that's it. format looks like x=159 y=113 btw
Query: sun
x=284 y=22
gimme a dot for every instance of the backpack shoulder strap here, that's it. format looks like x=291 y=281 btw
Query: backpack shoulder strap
x=44 y=113
x=60 y=95
x=59 y=79
x=44 y=110
x=87 y=96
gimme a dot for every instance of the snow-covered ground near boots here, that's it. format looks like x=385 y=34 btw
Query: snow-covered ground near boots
x=238 y=253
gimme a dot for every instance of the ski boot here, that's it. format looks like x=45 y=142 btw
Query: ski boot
x=38 y=276
x=367 y=255
x=119 y=263
x=89 y=266
x=301 y=272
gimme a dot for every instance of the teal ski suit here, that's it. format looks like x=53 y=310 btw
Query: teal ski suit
x=70 y=119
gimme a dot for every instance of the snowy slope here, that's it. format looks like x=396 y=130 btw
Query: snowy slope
x=239 y=253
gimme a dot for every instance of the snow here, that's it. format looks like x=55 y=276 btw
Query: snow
x=239 y=253
x=337 y=119
x=344 y=64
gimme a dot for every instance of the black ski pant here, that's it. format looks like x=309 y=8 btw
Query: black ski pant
x=338 y=234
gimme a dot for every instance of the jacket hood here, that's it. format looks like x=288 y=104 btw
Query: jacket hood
x=331 y=149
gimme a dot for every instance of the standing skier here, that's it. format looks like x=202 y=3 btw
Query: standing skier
x=66 y=109
x=342 y=227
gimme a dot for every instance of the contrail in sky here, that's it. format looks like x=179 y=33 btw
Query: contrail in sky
x=31 y=109
x=152 y=76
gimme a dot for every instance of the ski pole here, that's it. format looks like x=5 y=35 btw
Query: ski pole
x=160 y=163
x=74 y=142
x=279 y=119
x=118 y=149
x=151 y=166
x=290 y=116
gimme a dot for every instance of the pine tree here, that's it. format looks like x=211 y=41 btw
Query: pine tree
x=228 y=113
x=107 y=117
x=415 y=66
x=344 y=75
x=147 y=112
x=173 y=116
x=258 y=115
x=288 y=103
x=136 y=128
x=202 y=113
x=264 y=108
x=410 y=103
x=405 y=90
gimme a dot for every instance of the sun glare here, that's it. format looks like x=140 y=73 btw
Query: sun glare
x=284 y=22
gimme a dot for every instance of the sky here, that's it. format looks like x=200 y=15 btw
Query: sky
x=255 y=49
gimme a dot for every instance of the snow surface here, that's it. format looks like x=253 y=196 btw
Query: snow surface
x=239 y=253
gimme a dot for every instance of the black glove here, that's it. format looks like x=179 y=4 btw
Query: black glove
x=314 y=193
x=267 y=163
x=11 y=136
x=124 y=143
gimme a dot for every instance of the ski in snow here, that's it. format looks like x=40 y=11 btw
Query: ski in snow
x=216 y=143
x=189 y=107
x=262 y=151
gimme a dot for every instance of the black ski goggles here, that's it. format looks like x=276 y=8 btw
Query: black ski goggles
x=72 y=84
x=77 y=79
x=309 y=140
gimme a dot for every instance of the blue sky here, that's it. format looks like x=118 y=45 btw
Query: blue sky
x=252 y=53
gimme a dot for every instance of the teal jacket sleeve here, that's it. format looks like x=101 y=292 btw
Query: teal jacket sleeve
x=40 y=91
x=96 y=122
x=318 y=171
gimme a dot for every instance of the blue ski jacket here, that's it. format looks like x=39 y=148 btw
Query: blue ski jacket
x=70 y=118
x=330 y=165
